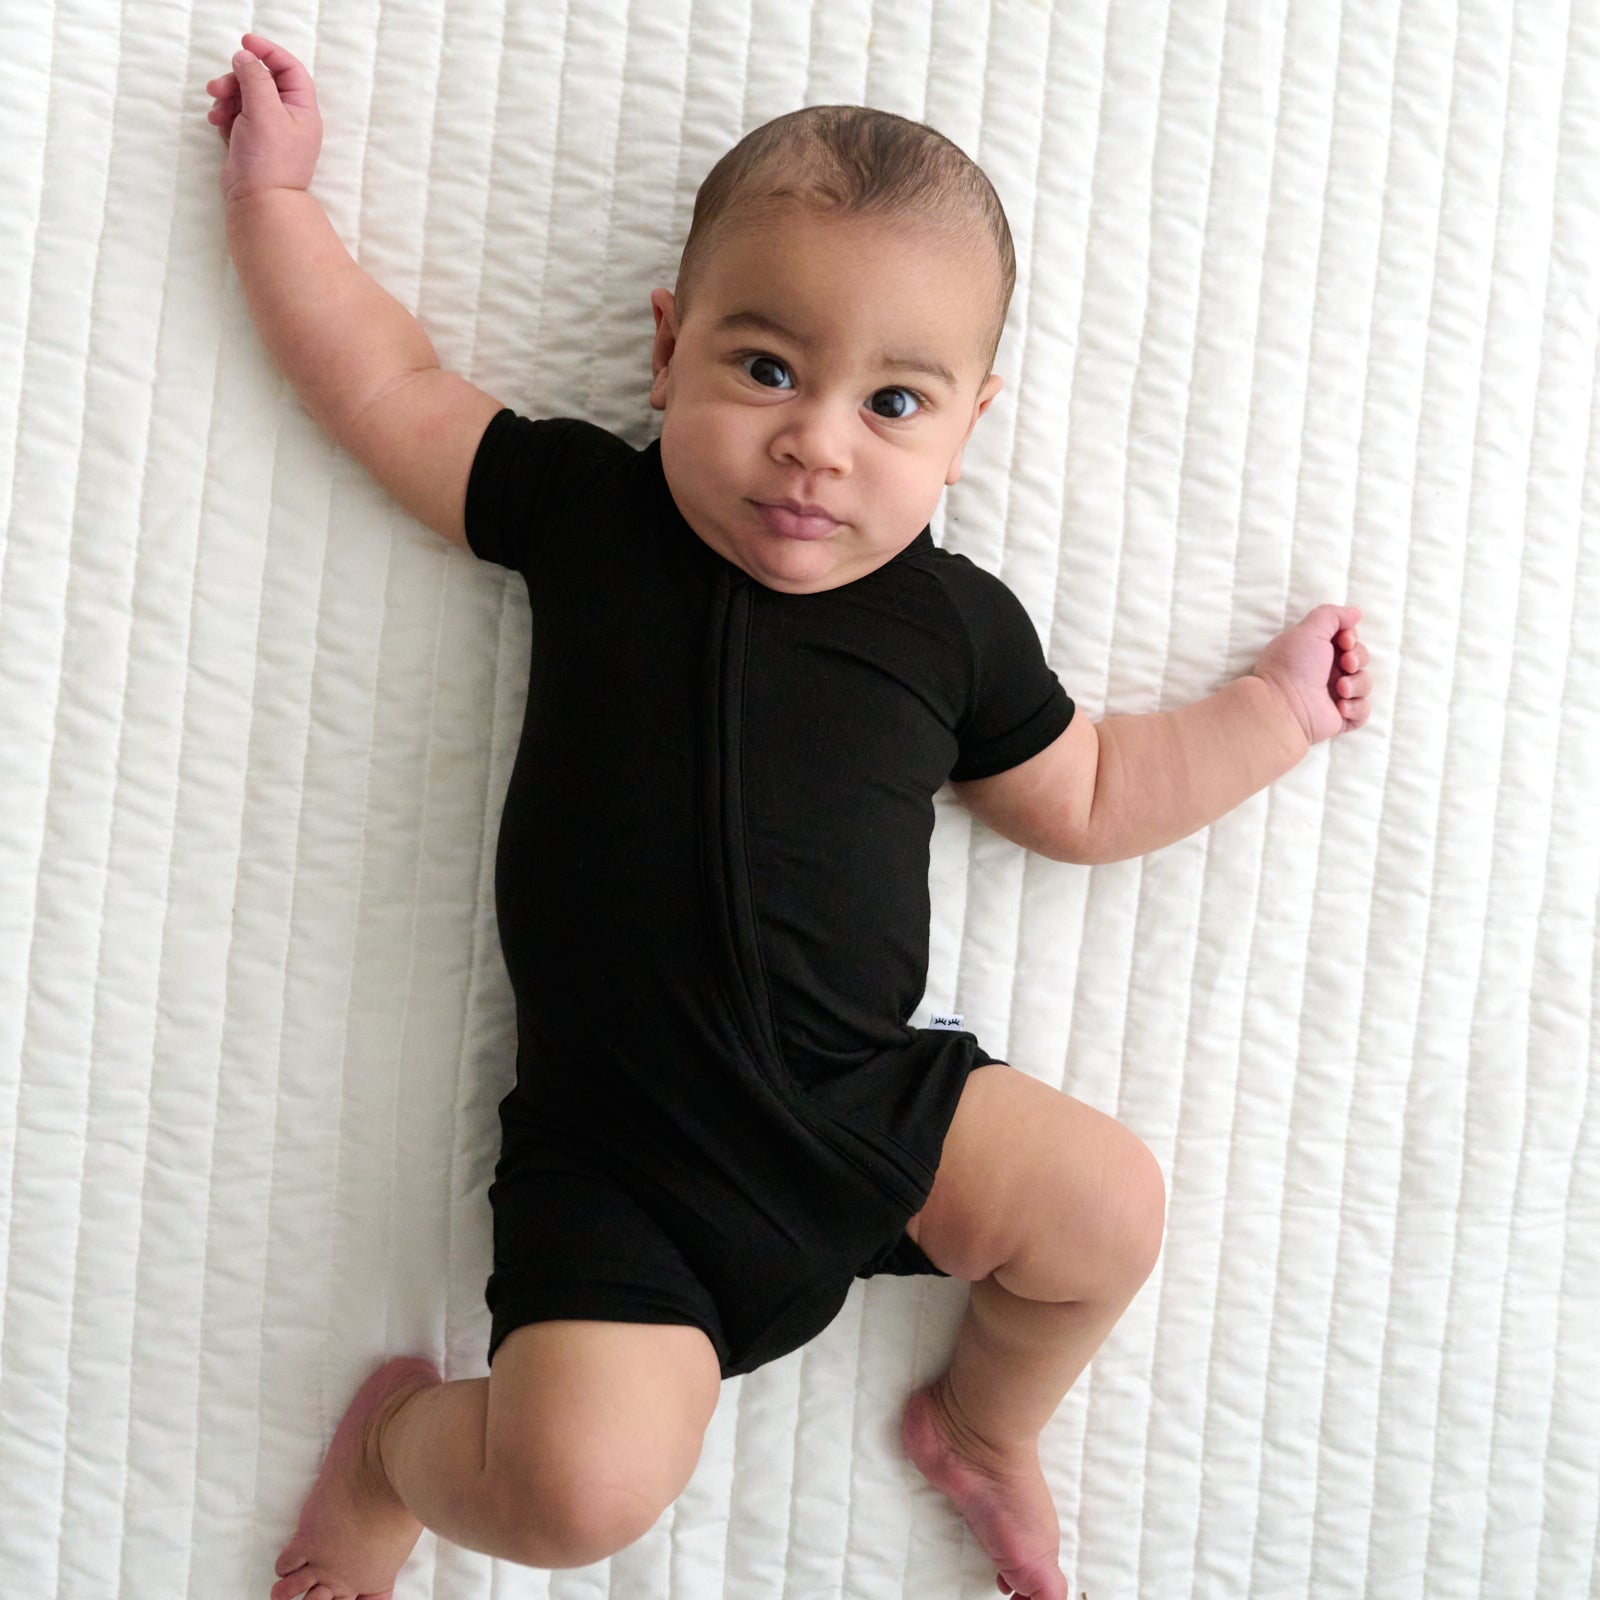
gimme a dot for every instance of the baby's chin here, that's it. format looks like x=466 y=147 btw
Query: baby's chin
x=804 y=566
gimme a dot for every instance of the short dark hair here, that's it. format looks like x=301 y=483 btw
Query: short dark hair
x=858 y=161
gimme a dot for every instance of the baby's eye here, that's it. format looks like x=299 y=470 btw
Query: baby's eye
x=754 y=364
x=896 y=394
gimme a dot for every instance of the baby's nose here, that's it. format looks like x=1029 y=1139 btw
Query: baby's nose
x=816 y=434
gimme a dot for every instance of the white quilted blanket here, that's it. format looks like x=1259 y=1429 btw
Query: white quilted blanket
x=1306 y=310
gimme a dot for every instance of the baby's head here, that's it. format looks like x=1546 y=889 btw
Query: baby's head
x=839 y=303
x=854 y=161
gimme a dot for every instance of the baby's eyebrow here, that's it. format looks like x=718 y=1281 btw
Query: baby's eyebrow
x=909 y=361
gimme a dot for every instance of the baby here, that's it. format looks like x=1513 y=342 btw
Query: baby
x=752 y=669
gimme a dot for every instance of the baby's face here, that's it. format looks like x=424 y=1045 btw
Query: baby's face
x=830 y=362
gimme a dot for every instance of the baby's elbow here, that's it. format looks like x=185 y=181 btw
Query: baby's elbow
x=1040 y=836
x=1080 y=846
x=1102 y=846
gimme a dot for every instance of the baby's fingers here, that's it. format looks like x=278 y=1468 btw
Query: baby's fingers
x=225 y=92
x=224 y=114
x=258 y=94
x=290 y=80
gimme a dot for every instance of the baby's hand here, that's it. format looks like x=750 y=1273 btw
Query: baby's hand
x=266 y=111
x=1316 y=666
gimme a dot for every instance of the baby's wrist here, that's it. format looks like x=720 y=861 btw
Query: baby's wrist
x=1278 y=707
x=247 y=190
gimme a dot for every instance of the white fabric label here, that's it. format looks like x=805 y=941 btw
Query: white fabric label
x=946 y=1019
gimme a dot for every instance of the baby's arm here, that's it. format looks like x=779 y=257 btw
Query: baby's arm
x=361 y=363
x=1132 y=784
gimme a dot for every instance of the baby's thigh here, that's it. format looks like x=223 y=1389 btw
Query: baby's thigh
x=1034 y=1183
x=599 y=1420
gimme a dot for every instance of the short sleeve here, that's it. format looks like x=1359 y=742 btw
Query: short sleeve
x=526 y=476
x=1018 y=706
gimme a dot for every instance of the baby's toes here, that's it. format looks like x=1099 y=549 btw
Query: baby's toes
x=296 y=1581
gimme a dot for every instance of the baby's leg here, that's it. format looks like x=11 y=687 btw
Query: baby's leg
x=1055 y=1213
x=580 y=1437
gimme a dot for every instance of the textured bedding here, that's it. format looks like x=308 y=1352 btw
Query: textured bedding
x=1306 y=310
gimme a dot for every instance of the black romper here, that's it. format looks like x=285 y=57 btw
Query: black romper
x=712 y=891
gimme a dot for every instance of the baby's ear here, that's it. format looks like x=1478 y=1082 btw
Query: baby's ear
x=666 y=341
x=986 y=394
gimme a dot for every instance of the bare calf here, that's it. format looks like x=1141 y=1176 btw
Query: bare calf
x=1055 y=1212
x=580 y=1437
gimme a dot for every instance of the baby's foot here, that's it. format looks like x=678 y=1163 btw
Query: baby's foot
x=1004 y=1499
x=354 y=1533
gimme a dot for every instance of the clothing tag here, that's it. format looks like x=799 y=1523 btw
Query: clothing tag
x=951 y=1020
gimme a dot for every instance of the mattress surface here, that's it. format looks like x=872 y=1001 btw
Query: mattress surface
x=1306 y=311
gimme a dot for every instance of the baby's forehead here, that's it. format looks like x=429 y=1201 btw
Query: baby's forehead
x=760 y=264
x=882 y=306
x=901 y=241
x=920 y=226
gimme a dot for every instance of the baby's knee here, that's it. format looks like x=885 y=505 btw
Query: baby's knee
x=575 y=1511
x=1139 y=1209
x=1108 y=1232
x=593 y=1431
x=1092 y=1217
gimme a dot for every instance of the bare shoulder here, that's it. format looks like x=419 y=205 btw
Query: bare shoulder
x=1043 y=803
x=417 y=437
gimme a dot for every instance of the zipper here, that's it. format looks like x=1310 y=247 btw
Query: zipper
x=730 y=900
x=728 y=880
